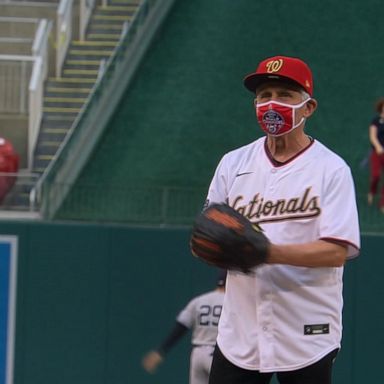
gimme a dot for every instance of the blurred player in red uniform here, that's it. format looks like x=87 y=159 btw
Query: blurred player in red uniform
x=9 y=163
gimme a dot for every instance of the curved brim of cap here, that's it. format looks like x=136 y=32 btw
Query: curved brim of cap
x=254 y=80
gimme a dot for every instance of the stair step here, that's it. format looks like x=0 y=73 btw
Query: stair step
x=114 y=24
x=83 y=62
x=87 y=72
x=70 y=67
x=85 y=53
x=52 y=137
x=66 y=90
x=45 y=153
x=39 y=169
x=130 y=2
x=126 y=14
x=44 y=157
x=58 y=120
x=72 y=94
x=112 y=17
x=54 y=131
x=88 y=67
x=63 y=100
x=62 y=107
x=87 y=43
x=66 y=105
x=93 y=25
x=46 y=150
x=58 y=116
x=50 y=143
x=117 y=8
x=68 y=81
x=61 y=110
x=40 y=165
x=103 y=36
x=81 y=76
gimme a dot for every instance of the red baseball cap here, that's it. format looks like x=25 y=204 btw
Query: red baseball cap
x=285 y=68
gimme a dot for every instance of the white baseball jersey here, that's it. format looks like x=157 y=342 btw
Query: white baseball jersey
x=202 y=315
x=281 y=317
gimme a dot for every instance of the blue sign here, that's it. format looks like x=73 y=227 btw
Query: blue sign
x=8 y=274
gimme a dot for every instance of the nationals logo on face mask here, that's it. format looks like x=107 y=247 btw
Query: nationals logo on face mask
x=277 y=118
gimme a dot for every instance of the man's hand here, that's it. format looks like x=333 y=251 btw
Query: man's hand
x=151 y=361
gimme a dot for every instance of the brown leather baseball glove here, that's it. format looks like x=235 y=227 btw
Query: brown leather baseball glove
x=223 y=237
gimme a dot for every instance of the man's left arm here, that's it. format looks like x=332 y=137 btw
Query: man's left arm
x=318 y=253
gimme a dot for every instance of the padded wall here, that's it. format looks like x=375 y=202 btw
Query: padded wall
x=93 y=299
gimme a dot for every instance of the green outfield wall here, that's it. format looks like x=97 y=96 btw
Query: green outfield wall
x=187 y=105
x=92 y=299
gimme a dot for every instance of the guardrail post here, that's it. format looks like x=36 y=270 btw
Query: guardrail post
x=23 y=87
x=63 y=32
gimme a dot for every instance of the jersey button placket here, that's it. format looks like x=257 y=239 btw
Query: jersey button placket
x=265 y=313
x=266 y=336
x=272 y=181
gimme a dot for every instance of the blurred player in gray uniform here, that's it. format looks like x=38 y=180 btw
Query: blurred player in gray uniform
x=201 y=315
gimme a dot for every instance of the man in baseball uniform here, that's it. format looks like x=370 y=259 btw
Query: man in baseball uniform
x=284 y=318
x=201 y=315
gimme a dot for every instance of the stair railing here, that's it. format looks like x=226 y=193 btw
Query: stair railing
x=11 y=31
x=36 y=84
x=15 y=69
x=86 y=9
x=63 y=33
x=102 y=67
x=14 y=77
x=52 y=188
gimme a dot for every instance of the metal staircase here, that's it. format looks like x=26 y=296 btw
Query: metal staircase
x=64 y=97
x=80 y=103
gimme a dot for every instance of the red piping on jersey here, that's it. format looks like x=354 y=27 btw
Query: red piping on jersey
x=339 y=241
x=276 y=163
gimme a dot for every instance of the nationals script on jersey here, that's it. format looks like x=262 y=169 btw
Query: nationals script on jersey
x=291 y=315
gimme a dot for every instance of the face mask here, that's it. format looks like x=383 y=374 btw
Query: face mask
x=277 y=118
